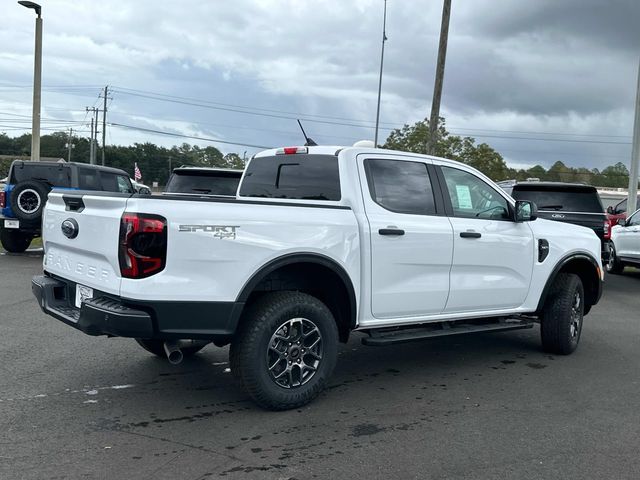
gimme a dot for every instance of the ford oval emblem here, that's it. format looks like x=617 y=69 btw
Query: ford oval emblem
x=70 y=228
x=557 y=215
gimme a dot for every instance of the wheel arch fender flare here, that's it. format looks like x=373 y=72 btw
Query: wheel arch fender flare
x=568 y=261
x=293 y=258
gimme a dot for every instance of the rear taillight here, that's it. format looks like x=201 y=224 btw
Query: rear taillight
x=143 y=244
x=607 y=229
x=3 y=200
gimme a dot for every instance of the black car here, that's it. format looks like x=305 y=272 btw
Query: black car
x=204 y=181
x=565 y=202
x=23 y=198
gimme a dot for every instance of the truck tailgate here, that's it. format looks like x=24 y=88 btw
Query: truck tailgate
x=91 y=257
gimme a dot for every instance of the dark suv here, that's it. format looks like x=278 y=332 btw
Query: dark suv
x=565 y=202
x=23 y=197
x=204 y=181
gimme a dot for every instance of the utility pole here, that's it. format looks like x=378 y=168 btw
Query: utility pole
x=104 y=120
x=94 y=134
x=37 y=81
x=384 y=39
x=437 y=87
x=635 y=155
x=70 y=144
x=92 y=158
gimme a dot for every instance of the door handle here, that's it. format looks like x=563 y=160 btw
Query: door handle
x=470 y=234
x=391 y=231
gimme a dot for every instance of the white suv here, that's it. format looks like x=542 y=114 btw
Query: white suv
x=625 y=244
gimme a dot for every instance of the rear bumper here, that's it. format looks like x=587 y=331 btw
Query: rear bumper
x=33 y=227
x=118 y=317
x=98 y=316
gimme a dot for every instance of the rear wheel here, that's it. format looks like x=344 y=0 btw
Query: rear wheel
x=285 y=349
x=562 y=315
x=14 y=241
x=613 y=265
x=157 y=347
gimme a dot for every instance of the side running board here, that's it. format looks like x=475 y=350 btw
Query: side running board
x=392 y=336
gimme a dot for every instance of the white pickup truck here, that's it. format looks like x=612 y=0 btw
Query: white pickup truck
x=319 y=242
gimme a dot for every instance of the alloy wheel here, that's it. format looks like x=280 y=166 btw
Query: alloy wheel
x=294 y=352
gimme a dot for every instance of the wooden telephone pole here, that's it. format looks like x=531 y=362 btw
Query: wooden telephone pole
x=432 y=139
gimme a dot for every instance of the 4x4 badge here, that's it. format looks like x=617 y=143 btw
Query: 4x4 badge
x=70 y=228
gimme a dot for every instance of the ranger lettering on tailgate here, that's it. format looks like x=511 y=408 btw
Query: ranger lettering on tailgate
x=66 y=264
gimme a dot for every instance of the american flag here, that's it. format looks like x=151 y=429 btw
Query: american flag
x=136 y=172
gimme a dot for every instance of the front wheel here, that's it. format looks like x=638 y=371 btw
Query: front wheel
x=562 y=315
x=14 y=241
x=613 y=265
x=285 y=349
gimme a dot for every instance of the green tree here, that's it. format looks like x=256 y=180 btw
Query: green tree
x=233 y=160
x=413 y=138
x=537 y=172
x=615 y=175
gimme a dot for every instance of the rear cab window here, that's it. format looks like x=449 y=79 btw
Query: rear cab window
x=561 y=198
x=295 y=177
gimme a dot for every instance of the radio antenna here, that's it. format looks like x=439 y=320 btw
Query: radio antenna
x=308 y=141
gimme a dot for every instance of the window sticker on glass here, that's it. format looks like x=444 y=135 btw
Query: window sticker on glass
x=464 y=197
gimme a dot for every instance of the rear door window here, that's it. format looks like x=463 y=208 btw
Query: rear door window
x=400 y=186
x=88 y=179
x=108 y=182
x=301 y=177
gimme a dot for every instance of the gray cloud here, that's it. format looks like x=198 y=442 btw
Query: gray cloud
x=538 y=66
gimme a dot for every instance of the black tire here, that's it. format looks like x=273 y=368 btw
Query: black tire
x=27 y=200
x=157 y=348
x=613 y=265
x=272 y=331
x=562 y=315
x=14 y=241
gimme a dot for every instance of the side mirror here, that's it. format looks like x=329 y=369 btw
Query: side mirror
x=526 y=211
x=610 y=210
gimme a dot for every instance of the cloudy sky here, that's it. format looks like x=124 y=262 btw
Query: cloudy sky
x=540 y=80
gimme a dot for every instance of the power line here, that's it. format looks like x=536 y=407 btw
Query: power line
x=541 y=133
x=171 y=134
x=295 y=133
x=554 y=139
x=308 y=117
x=128 y=91
x=246 y=112
x=235 y=110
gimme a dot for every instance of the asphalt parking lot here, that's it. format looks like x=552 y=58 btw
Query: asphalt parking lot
x=491 y=406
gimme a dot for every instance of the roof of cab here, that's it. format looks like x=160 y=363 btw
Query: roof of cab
x=336 y=149
x=21 y=163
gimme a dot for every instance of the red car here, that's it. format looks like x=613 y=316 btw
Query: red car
x=616 y=213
